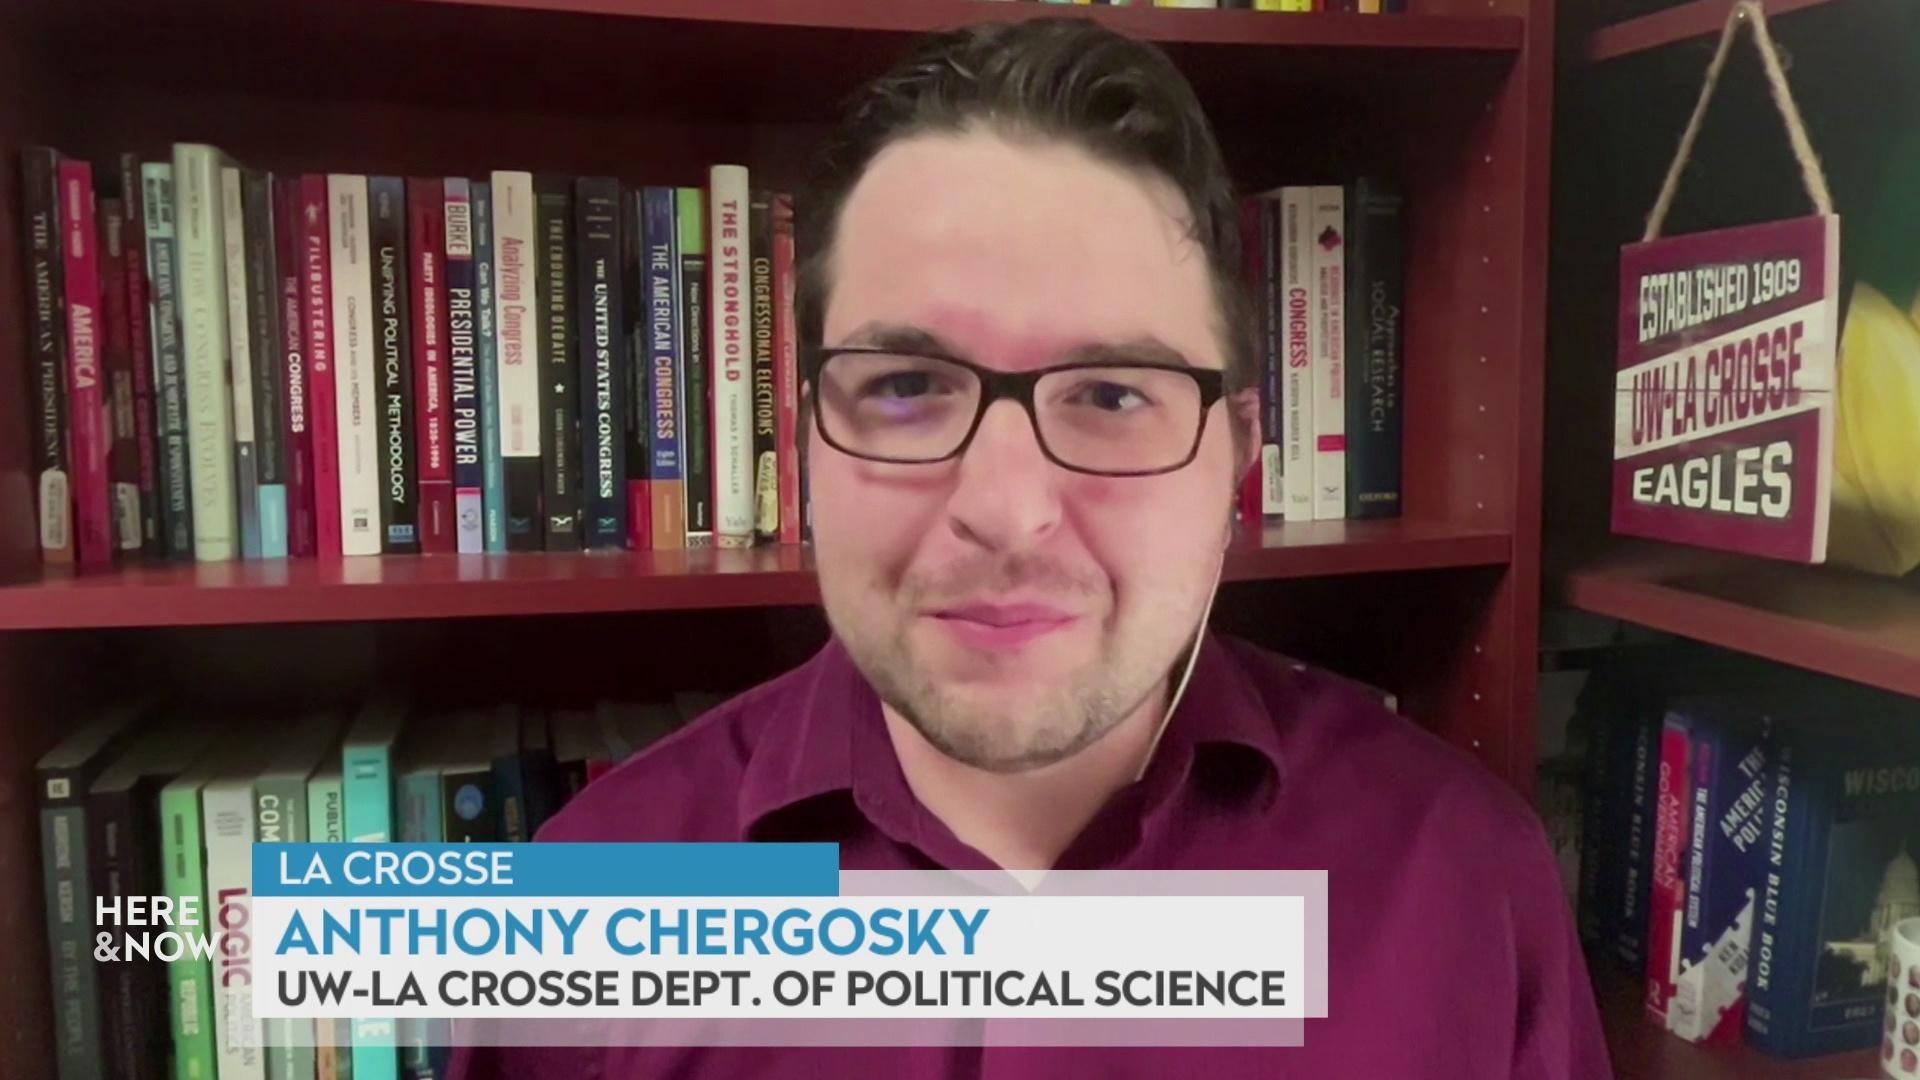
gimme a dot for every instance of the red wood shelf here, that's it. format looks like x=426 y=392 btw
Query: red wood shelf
x=1641 y=1051
x=433 y=587
x=1696 y=19
x=1852 y=626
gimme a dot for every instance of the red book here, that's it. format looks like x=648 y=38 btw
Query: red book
x=432 y=378
x=86 y=403
x=786 y=370
x=1667 y=903
x=116 y=363
x=287 y=226
x=317 y=323
x=140 y=348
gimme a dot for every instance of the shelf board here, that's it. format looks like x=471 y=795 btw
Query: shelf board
x=1853 y=626
x=1641 y=1051
x=1695 y=19
x=455 y=586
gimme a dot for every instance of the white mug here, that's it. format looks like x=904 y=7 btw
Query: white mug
x=1900 y=1041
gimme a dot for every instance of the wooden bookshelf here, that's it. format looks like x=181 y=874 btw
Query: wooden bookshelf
x=1452 y=100
x=1694 y=20
x=1641 y=1051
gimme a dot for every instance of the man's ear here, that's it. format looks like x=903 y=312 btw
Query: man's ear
x=1244 y=407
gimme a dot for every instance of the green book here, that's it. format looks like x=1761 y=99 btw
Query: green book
x=280 y=817
x=183 y=876
x=366 y=766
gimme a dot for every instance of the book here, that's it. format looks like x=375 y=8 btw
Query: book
x=730 y=363
x=559 y=386
x=240 y=380
x=516 y=272
x=140 y=349
x=419 y=807
x=660 y=406
x=1329 y=225
x=463 y=369
x=123 y=847
x=201 y=269
x=1623 y=758
x=432 y=373
x=87 y=433
x=1667 y=896
x=1843 y=831
x=288 y=207
x=281 y=807
x=170 y=391
x=502 y=726
x=766 y=393
x=1374 y=301
x=1272 y=485
x=116 y=369
x=579 y=751
x=183 y=876
x=600 y=334
x=270 y=454
x=356 y=376
x=47 y=350
x=539 y=773
x=227 y=818
x=316 y=298
x=62 y=777
x=786 y=366
x=1301 y=330
x=393 y=362
x=367 y=772
x=469 y=808
x=486 y=359
x=327 y=823
x=696 y=415
x=636 y=406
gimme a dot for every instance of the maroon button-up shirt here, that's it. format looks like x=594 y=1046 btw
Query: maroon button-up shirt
x=1450 y=946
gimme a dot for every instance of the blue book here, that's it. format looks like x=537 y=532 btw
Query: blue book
x=660 y=269
x=367 y=777
x=1843 y=833
x=492 y=468
x=1616 y=861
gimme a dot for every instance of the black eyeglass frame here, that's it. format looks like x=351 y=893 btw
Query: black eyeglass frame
x=1019 y=386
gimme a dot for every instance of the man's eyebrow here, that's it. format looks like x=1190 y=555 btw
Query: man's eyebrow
x=901 y=337
x=906 y=338
x=1140 y=350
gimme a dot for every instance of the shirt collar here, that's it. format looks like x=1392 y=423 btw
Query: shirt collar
x=1222 y=731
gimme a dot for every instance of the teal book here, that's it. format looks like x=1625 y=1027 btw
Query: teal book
x=420 y=813
x=280 y=817
x=367 y=775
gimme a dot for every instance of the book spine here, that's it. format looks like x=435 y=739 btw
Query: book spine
x=559 y=386
x=116 y=365
x=316 y=302
x=269 y=363
x=516 y=271
x=393 y=359
x=786 y=367
x=1296 y=381
x=368 y=796
x=87 y=436
x=280 y=817
x=730 y=364
x=1329 y=359
x=463 y=370
x=486 y=359
x=432 y=376
x=240 y=384
x=665 y=429
x=287 y=209
x=1630 y=939
x=1774 y=1009
x=227 y=809
x=418 y=822
x=1374 y=285
x=201 y=268
x=189 y=978
x=47 y=347
x=1719 y=942
x=1685 y=1007
x=117 y=851
x=170 y=392
x=602 y=366
x=1270 y=304
x=326 y=823
x=766 y=380
x=69 y=896
x=468 y=810
x=695 y=410
x=637 y=406
x=140 y=346
x=355 y=369
x=1667 y=904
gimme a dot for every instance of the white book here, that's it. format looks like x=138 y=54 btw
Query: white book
x=201 y=270
x=1329 y=357
x=354 y=376
x=516 y=274
x=239 y=355
x=227 y=809
x=730 y=315
x=1297 y=335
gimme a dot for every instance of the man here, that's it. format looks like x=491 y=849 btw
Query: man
x=1029 y=408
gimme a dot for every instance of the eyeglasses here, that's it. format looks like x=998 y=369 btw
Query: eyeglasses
x=1106 y=418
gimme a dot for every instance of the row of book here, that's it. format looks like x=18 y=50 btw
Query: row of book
x=233 y=364
x=1324 y=265
x=139 y=804
x=1748 y=850
x=1357 y=7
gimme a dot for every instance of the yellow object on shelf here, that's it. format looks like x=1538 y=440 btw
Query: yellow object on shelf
x=1875 y=520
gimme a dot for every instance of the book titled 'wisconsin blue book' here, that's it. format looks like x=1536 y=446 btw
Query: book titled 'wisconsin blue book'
x=1844 y=830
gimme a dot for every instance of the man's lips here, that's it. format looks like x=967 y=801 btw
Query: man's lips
x=1001 y=626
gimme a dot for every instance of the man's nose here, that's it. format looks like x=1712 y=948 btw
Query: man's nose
x=1007 y=497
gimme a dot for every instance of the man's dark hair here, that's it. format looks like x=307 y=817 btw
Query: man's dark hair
x=1061 y=78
